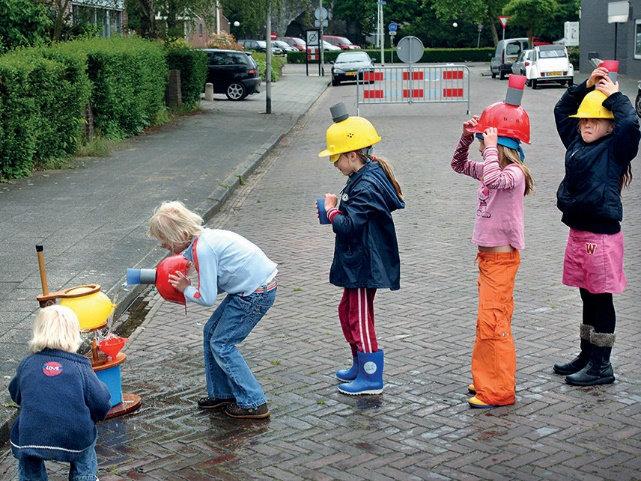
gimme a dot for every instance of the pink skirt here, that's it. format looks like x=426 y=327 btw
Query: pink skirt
x=594 y=262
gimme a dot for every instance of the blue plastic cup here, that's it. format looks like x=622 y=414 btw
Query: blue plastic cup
x=322 y=213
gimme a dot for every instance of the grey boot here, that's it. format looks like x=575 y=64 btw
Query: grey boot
x=582 y=358
x=598 y=370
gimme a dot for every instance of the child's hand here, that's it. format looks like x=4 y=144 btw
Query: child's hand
x=469 y=125
x=596 y=75
x=606 y=86
x=490 y=137
x=179 y=281
x=331 y=201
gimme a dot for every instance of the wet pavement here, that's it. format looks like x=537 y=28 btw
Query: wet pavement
x=421 y=427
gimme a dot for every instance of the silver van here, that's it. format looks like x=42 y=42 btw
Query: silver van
x=507 y=52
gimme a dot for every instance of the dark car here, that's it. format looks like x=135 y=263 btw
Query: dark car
x=233 y=73
x=348 y=64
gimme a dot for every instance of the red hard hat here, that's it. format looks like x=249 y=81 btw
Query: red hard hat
x=169 y=265
x=510 y=121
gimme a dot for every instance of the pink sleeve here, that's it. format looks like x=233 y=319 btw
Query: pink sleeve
x=496 y=178
x=461 y=162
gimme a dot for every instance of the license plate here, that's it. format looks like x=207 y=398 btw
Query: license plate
x=554 y=74
x=351 y=74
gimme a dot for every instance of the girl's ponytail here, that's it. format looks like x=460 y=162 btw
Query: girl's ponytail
x=389 y=172
x=626 y=178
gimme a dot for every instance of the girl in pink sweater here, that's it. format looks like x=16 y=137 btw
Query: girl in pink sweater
x=498 y=233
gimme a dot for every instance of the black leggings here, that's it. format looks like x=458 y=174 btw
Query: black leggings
x=598 y=311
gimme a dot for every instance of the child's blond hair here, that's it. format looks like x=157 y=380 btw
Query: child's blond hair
x=510 y=156
x=55 y=327
x=174 y=223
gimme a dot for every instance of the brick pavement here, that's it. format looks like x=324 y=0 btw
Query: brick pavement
x=421 y=427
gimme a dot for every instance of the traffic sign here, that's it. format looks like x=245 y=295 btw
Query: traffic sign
x=503 y=19
x=392 y=27
x=312 y=38
x=321 y=13
x=317 y=23
x=410 y=49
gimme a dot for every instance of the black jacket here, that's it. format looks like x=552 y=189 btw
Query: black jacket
x=366 y=249
x=590 y=194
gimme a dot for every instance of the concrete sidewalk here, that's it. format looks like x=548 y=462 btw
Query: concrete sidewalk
x=92 y=219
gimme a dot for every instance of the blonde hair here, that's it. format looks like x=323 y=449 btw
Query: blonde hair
x=510 y=156
x=55 y=327
x=174 y=223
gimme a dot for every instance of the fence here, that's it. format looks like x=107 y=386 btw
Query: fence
x=411 y=84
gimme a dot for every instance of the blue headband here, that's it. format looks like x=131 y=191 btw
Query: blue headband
x=508 y=142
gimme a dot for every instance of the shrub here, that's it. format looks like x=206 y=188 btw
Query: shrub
x=192 y=64
x=277 y=65
x=430 y=55
x=42 y=102
x=128 y=77
x=224 y=41
x=22 y=23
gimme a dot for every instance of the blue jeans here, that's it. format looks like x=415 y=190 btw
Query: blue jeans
x=82 y=469
x=227 y=373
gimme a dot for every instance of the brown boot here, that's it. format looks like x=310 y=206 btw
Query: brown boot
x=235 y=411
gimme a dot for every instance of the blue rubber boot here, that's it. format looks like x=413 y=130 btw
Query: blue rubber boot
x=347 y=375
x=369 y=379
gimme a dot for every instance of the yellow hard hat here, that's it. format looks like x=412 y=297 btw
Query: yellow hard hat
x=91 y=306
x=592 y=107
x=353 y=133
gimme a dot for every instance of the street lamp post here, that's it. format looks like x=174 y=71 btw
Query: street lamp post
x=478 y=39
x=268 y=61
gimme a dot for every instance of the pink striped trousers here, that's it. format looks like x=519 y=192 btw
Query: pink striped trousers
x=356 y=313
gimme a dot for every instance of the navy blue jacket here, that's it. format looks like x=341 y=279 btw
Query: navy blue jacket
x=590 y=194
x=60 y=399
x=366 y=249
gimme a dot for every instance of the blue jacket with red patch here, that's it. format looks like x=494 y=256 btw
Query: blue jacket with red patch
x=60 y=399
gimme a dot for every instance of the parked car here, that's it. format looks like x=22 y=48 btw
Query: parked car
x=284 y=46
x=259 y=46
x=523 y=63
x=233 y=73
x=637 y=103
x=550 y=63
x=328 y=47
x=340 y=42
x=347 y=66
x=507 y=52
x=295 y=42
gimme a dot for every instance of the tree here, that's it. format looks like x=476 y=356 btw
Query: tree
x=22 y=23
x=143 y=14
x=479 y=11
x=533 y=15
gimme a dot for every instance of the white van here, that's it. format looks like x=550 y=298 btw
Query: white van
x=507 y=51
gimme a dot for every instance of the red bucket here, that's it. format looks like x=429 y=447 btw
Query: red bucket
x=111 y=347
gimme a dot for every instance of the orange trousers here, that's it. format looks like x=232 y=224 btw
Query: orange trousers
x=494 y=354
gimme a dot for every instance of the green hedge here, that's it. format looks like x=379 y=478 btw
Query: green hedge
x=44 y=93
x=42 y=102
x=277 y=65
x=128 y=77
x=430 y=55
x=192 y=64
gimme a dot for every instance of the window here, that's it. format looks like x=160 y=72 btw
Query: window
x=513 y=49
x=552 y=53
x=637 y=38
